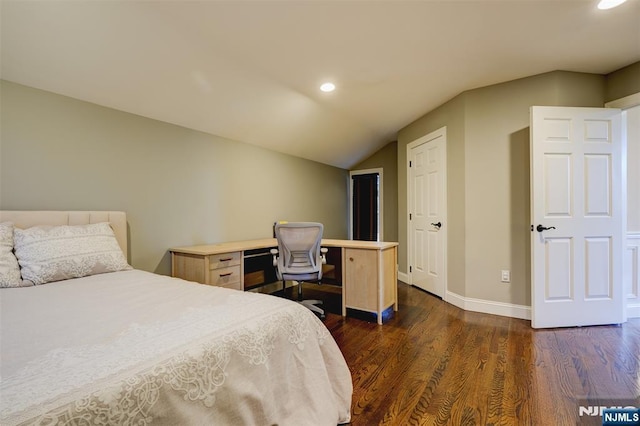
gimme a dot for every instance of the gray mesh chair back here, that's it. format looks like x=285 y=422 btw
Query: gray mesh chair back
x=299 y=255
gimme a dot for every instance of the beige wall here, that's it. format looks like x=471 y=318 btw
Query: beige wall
x=497 y=178
x=623 y=82
x=182 y=187
x=386 y=159
x=488 y=179
x=178 y=186
x=451 y=115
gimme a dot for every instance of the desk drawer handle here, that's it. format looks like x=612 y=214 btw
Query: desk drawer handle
x=226 y=275
x=351 y=259
x=226 y=259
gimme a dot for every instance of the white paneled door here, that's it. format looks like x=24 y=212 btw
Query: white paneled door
x=577 y=212
x=427 y=174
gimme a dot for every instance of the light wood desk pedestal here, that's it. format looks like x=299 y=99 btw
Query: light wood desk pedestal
x=369 y=269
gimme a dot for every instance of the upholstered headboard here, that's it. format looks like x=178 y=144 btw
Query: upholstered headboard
x=26 y=219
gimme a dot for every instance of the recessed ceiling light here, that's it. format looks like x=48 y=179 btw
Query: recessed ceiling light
x=609 y=4
x=328 y=87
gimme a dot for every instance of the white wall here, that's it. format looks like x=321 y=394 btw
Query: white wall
x=632 y=255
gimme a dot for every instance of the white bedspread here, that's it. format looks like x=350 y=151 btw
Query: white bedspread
x=133 y=347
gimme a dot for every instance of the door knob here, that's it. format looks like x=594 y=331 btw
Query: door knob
x=437 y=225
x=541 y=228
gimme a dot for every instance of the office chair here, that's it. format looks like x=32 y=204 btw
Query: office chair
x=299 y=257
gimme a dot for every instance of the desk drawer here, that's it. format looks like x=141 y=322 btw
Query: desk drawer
x=226 y=277
x=224 y=260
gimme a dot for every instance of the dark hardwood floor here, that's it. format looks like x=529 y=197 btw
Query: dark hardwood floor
x=435 y=364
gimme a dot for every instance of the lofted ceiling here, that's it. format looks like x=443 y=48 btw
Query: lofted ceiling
x=250 y=70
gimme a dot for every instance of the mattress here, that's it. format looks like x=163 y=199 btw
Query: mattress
x=132 y=347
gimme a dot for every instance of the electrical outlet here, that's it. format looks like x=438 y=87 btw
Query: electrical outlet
x=506 y=276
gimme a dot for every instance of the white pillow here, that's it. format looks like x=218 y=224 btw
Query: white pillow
x=54 y=253
x=9 y=269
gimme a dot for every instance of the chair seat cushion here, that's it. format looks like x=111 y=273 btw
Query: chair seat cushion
x=301 y=277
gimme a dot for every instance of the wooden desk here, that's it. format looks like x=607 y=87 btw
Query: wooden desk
x=369 y=269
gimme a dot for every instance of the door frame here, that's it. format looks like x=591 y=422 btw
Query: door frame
x=441 y=132
x=632 y=239
x=380 y=214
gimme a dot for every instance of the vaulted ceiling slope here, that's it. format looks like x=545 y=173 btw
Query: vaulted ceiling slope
x=250 y=70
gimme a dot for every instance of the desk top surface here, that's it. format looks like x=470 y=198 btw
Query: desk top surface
x=208 y=249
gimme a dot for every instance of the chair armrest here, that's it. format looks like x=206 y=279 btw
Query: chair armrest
x=274 y=253
x=323 y=251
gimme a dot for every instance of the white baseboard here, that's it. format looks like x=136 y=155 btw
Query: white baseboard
x=508 y=309
x=489 y=306
x=479 y=305
x=500 y=308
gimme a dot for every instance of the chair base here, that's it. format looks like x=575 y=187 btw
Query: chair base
x=311 y=305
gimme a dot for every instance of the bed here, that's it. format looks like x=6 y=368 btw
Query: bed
x=114 y=345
